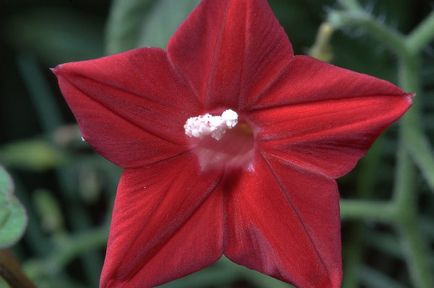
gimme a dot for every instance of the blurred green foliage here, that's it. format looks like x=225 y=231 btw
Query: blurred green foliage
x=68 y=191
x=33 y=155
x=13 y=218
x=147 y=23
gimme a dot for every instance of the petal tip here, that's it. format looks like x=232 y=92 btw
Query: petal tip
x=56 y=70
x=410 y=97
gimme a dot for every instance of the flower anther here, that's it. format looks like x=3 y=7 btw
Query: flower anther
x=207 y=124
x=231 y=141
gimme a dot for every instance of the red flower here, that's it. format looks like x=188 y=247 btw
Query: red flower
x=263 y=192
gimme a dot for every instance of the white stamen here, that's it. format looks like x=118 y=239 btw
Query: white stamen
x=215 y=126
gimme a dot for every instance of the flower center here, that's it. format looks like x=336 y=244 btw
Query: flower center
x=225 y=141
x=215 y=126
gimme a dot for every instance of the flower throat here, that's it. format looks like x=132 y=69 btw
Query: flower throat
x=221 y=142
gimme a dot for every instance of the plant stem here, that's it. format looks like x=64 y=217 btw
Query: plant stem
x=417 y=144
x=422 y=35
x=77 y=245
x=358 y=18
x=367 y=210
x=404 y=206
x=386 y=243
x=365 y=185
x=416 y=250
x=405 y=196
x=70 y=247
x=412 y=134
x=11 y=271
x=406 y=48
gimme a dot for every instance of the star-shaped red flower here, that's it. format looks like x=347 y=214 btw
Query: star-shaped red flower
x=261 y=193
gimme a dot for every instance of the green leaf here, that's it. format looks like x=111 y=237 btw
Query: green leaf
x=139 y=23
x=13 y=218
x=123 y=26
x=165 y=18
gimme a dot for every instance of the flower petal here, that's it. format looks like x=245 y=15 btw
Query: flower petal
x=309 y=80
x=328 y=123
x=284 y=222
x=228 y=50
x=167 y=222
x=123 y=102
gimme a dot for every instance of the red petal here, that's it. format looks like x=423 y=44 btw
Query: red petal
x=131 y=107
x=228 y=50
x=328 y=122
x=167 y=223
x=308 y=80
x=284 y=222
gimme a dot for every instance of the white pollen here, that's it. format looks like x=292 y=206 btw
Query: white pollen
x=209 y=125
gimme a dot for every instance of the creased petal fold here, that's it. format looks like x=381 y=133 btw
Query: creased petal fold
x=131 y=107
x=228 y=50
x=167 y=223
x=327 y=119
x=284 y=222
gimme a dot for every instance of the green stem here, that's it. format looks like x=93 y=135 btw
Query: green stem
x=358 y=18
x=84 y=242
x=404 y=204
x=422 y=35
x=417 y=144
x=405 y=171
x=353 y=252
x=75 y=246
x=412 y=135
x=385 y=242
x=405 y=48
x=365 y=185
x=10 y=270
x=405 y=196
x=416 y=251
x=367 y=210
